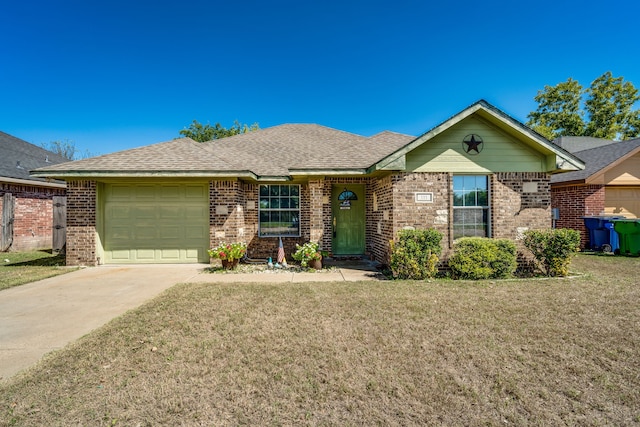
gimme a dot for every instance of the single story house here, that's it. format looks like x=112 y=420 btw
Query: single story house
x=609 y=185
x=478 y=173
x=28 y=205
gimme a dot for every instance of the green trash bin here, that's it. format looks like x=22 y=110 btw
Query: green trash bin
x=629 y=232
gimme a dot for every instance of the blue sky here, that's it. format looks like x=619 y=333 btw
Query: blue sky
x=112 y=75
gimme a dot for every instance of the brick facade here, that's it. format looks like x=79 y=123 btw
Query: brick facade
x=576 y=201
x=33 y=215
x=519 y=201
x=81 y=223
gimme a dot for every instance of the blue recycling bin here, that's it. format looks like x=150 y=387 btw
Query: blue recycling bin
x=613 y=236
x=602 y=235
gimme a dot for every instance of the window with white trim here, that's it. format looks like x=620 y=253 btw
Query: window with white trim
x=279 y=210
x=470 y=206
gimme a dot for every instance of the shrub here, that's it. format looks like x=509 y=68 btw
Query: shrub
x=553 y=249
x=476 y=258
x=415 y=254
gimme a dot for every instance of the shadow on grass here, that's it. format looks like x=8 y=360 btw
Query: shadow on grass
x=49 y=260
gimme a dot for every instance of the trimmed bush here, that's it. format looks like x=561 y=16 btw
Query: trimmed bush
x=415 y=254
x=553 y=249
x=476 y=258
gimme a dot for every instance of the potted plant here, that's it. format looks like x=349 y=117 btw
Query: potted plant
x=309 y=255
x=229 y=253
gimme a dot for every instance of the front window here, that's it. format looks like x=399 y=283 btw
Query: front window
x=470 y=206
x=279 y=210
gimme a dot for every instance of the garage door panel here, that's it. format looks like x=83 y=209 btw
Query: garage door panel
x=120 y=192
x=143 y=212
x=192 y=212
x=196 y=232
x=147 y=192
x=145 y=233
x=170 y=254
x=145 y=254
x=170 y=232
x=119 y=212
x=171 y=212
x=171 y=191
x=121 y=233
x=195 y=192
x=156 y=223
x=121 y=255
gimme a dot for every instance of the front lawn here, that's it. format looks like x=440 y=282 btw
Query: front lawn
x=18 y=268
x=520 y=352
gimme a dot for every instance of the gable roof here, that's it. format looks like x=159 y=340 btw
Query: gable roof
x=20 y=157
x=293 y=150
x=271 y=153
x=598 y=160
x=564 y=160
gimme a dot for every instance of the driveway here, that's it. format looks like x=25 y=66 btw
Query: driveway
x=42 y=316
x=39 y=317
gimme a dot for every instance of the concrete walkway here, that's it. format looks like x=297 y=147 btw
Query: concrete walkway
x=42 y=316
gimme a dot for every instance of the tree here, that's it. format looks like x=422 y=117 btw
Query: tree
x=66 y=149
x=558 y=110
x=608 y=107
x=202 y=133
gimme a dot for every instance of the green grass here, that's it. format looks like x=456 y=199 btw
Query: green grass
x=442 y=352
x=18 y=268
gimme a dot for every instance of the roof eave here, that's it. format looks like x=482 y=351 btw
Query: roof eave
x=328 y=172
x=33 y=182
x=143 y=174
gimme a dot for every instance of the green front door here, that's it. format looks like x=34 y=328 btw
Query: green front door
x=348 y=207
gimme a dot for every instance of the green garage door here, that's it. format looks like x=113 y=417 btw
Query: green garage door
x=156 y=223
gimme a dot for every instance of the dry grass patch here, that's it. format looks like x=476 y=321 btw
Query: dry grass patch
x=547 y=352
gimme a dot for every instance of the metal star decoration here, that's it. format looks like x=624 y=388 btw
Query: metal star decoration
x=473 y=143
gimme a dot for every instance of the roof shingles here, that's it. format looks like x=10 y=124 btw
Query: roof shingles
x=270 y=152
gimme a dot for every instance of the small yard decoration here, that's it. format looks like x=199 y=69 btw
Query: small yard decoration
x=229 y=253
x=309 y=255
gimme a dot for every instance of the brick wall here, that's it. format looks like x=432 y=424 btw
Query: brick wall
x=81 y=223
x=226 y=212
x=33 y=215
x=576 y=201
x=407 y=213
x=380 y=218
x=519 y=201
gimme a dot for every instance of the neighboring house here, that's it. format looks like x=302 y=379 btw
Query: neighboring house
x=609 y=185
x=479 y=173
x=28 y=204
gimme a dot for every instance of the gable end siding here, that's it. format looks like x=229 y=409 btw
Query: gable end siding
x=500 y=152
